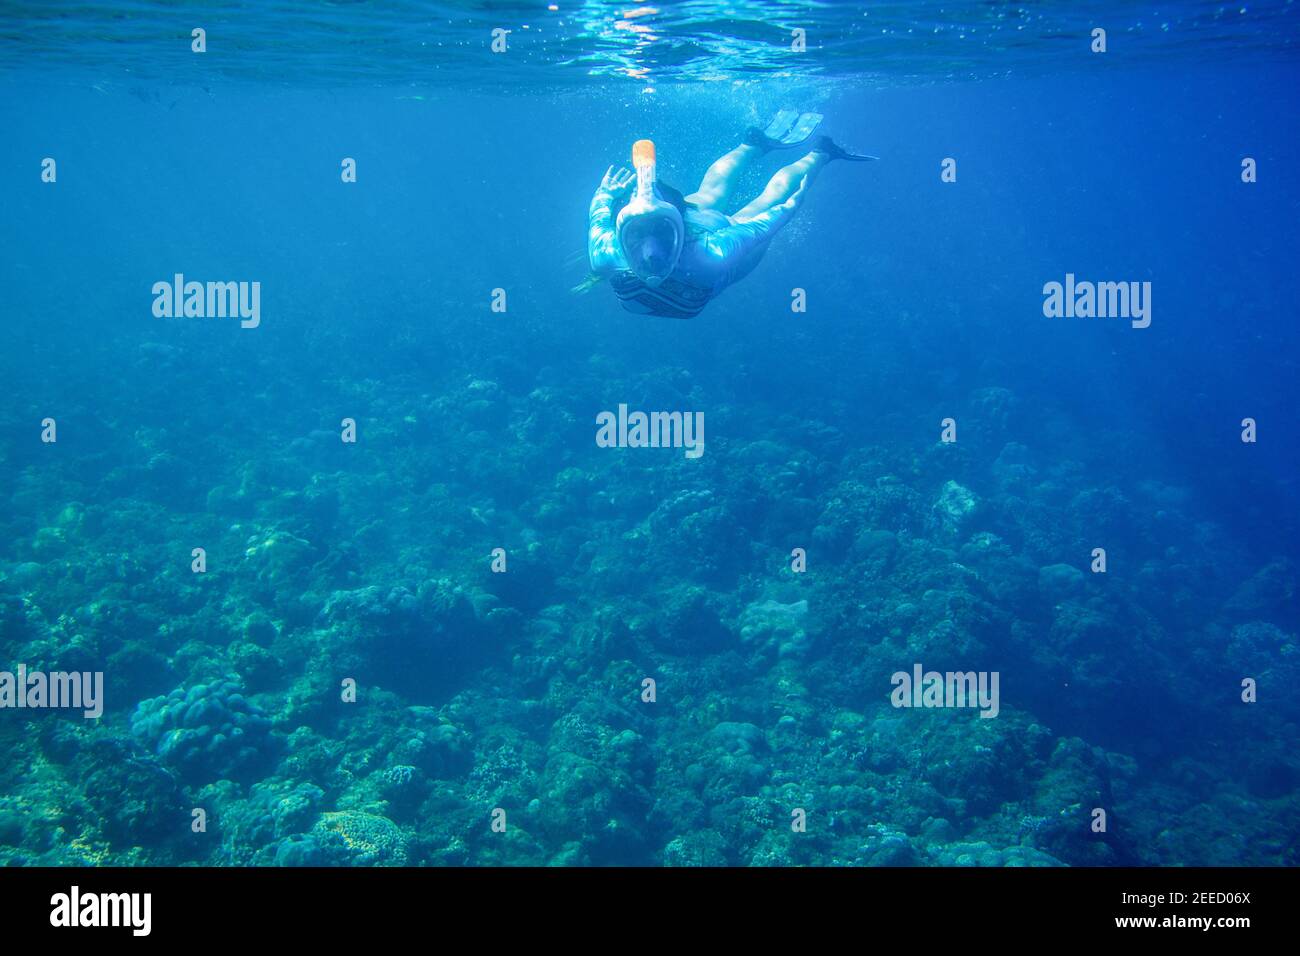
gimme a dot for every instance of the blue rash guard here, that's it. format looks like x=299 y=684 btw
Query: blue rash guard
x=717 y=252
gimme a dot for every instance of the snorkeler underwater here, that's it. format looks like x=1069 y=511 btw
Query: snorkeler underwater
x=628 y=438
x=671 y=257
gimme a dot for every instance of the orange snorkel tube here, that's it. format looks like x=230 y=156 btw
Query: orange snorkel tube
x=643 y=161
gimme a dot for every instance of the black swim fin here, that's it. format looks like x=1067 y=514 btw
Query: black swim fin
x=788 y=129
x=827 y=145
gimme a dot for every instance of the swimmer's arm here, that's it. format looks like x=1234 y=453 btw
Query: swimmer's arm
x=603 y=251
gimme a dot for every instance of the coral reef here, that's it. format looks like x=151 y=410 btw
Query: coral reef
x=651 y=680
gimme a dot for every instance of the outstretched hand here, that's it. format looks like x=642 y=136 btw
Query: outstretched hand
x=618 y=183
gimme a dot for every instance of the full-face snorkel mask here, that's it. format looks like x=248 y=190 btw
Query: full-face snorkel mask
x=649 y=229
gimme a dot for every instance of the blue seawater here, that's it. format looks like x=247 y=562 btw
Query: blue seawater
x=474 y=614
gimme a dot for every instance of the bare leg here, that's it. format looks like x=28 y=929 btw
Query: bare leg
x=715 y=188
x=783 y=185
